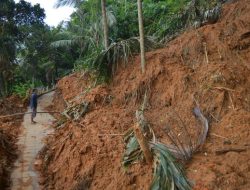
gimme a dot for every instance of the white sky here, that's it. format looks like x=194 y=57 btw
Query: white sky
x=53 y=16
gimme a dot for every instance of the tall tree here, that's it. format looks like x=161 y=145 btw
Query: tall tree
x=8 y=34
x=141 y=30
x=15 y=21
x=104 y=15
x=105 y=24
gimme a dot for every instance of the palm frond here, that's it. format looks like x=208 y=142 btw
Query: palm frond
x=204 y=129
x=132 y=151
x=47 y=65
x=111 y=18
x=185 y=148
x=168 y=173
x=63 y=43
x=61 y=3
x=120 y=52
x=73 y=40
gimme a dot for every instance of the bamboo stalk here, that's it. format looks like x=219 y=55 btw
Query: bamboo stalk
x=206 y=54
x=223 y=88
x=17 y=114
x=230 y=97
x=100 y=135
x=219 y=136
x=217 y=120
x=39 y=95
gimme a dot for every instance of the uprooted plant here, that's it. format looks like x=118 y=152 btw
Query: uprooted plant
x=75 y=112
x=168 y=172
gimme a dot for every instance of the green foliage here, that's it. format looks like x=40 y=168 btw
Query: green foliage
x=15 y=21
x=168 y=173
x=45 y=53
x=107 y=61
x=87 y=62
x=162 y=19
x=22 y=88
x=132 y=150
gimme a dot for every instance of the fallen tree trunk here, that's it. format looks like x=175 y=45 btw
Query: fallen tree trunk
x=24 y=113
x=231 y=149
x=143 y=143
x=39 y=95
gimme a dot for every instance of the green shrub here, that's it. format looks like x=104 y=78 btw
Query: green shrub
x=21 y=88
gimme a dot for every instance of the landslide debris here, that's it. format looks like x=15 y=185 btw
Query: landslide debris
x=209 y=64
x=9 y=131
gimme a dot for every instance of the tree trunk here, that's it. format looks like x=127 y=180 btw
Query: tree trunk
x=2 y=86
x=105 y=24
x=143 y=143
x=140 y=18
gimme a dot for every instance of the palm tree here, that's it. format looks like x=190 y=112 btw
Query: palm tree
x=141 y=30
x=104 y=15
x=105 y=24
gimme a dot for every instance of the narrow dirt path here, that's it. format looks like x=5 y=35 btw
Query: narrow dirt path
x=24 y=176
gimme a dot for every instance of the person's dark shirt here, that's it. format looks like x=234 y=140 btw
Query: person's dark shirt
x=33 y=100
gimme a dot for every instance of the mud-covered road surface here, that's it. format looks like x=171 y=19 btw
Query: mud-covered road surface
x=24 y=175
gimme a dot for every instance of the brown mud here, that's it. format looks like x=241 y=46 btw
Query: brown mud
x=209 y=65
x=9 y=130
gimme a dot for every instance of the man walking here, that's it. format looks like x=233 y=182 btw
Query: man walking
x=33 y=105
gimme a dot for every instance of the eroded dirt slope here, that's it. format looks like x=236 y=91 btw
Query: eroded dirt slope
x=9 y=130
x=209 y=65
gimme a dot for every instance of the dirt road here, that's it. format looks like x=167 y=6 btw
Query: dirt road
x=24 y=176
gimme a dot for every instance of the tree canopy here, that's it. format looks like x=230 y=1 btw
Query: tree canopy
x=34 y=53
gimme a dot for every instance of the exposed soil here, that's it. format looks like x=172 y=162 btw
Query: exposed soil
x=9 y=131
x=209 y=64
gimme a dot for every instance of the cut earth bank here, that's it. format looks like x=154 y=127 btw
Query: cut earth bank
x=9 y=131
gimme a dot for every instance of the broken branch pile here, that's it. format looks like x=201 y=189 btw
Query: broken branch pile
x=168 y=173
x=75 y=112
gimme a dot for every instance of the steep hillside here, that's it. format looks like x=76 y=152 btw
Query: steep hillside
x=209 y=65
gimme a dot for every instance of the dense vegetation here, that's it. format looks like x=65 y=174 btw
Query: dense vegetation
x=32 y=53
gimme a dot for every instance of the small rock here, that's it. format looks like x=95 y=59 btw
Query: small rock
x=38 y=163
x=227 y=142
x=86 y=149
